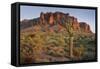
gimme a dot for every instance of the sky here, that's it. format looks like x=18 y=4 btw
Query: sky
x=82 y=15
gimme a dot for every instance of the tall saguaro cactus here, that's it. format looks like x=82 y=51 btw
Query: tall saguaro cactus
x=69 y=29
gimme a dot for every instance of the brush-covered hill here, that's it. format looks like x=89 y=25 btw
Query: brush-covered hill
x=46 y=39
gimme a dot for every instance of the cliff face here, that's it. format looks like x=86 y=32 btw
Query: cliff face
x=55 y=21
x=85 y=27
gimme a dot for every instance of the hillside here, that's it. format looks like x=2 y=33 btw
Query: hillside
x=55 y=37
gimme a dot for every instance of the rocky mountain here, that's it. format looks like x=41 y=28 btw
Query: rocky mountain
x=54 y=22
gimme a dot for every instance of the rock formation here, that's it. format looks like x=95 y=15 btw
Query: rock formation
x=56 y=20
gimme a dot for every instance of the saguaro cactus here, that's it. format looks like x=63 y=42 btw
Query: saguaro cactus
x=69 y=29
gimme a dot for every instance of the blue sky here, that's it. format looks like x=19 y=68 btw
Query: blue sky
x=83 y=15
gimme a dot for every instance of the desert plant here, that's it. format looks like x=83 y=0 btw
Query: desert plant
x=33 y=45
x=78 y=52
x=69 y=29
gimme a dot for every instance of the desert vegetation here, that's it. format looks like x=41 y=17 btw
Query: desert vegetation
x=44 y=44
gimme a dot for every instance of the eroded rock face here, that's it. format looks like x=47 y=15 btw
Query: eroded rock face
x=75 y=24
x=85 y=27
x=50 y=19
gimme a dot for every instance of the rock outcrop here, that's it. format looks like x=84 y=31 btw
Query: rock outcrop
x=56 y=20
x=85 y=27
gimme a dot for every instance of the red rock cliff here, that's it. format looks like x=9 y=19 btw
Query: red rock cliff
x=50 y=19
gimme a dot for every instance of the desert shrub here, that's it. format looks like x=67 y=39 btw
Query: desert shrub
x=57 y=39
x=79 y=51
x=57 y=44
x=56 y=51
x=31 y=46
